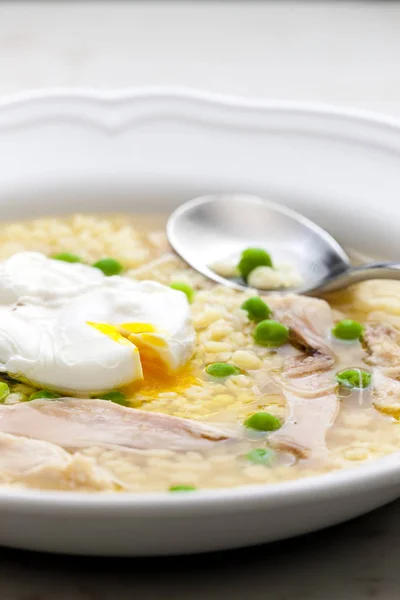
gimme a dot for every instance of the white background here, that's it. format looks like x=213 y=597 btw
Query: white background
x=336 y=52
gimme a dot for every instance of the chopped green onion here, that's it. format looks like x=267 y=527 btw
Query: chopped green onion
x=181 y=286
x=257 y=309
x=219 y=369
x=271 y=333
x=261 y=456
x=182 y=488
x=67 y=257
x=117 y=397
x=263 y=421
x=109 y=266
x=354 y=378
x=251 y=259
x=44 y=394
x=348 y=330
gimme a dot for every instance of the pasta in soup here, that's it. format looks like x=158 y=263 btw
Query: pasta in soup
x=122 y=369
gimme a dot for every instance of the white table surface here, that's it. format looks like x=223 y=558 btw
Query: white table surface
x=337 y=52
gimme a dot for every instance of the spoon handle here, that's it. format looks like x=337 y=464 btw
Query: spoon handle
x=378 y=270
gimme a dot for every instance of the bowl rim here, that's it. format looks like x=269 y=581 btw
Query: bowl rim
x=378 y=473
x=68 y=98
x=122 y=95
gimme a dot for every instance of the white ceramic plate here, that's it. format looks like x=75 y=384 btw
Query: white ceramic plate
x=63 y=152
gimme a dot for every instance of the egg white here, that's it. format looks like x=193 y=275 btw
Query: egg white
x=67 y=327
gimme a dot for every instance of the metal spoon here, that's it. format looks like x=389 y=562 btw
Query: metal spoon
x=215 y=227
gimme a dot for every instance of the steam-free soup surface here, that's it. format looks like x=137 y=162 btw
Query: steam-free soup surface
x=221 y=437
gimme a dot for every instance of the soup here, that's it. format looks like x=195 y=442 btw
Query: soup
x=109 y=383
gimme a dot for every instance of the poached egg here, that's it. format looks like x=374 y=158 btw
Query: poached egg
x=69 y=328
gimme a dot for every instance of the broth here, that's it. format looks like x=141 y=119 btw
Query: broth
x=360 y=432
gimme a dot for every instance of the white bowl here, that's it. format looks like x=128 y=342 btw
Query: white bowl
x=63 y=152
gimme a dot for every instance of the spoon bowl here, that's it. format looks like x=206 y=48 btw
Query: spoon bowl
x=216 y=227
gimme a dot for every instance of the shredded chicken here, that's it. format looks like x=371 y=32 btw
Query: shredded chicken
x=386 y=393
x=306 y=425
x=319 y=383
x=382 y=342
x=40 y=464
x=307 y=380
x=73 y=423
x=307 y=363
x=309 y=321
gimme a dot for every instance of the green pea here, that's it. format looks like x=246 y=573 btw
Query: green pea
x=219 y=369
x=4 y=391
x=109 y=266
x=348 y=330
x=251 y=259
x=354 y=378
x=67 y=257
x=181 y=286
x=263 y=421
x=257 y=309
x=44 y=394
x=261 y=456
x=271 y=333
x=182 y=488
x=117 y=397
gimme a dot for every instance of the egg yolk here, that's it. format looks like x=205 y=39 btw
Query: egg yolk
x=112 y=332
x=156 y=376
